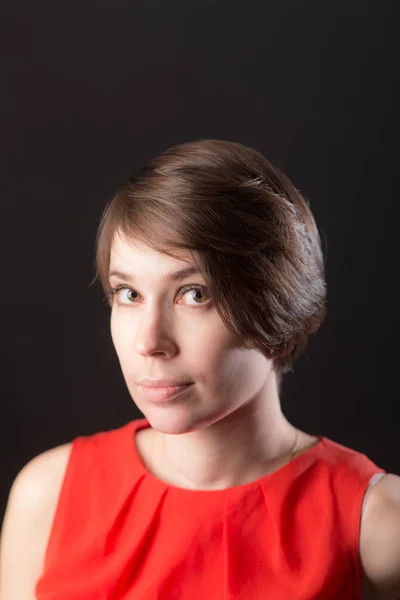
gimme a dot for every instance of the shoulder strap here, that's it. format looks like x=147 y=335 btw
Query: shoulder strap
x=98 y=471
x=354 y=473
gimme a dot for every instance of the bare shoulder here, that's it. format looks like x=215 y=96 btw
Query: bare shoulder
x=28 y=520
x=380 y=541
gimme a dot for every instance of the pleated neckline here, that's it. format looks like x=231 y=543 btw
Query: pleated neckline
x=284 y=472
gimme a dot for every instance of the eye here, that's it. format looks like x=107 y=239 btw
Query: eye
x=115 y=293
x=128 y=299
x=200 y=290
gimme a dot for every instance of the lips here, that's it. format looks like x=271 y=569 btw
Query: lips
x=162 y=382
x=162 y=393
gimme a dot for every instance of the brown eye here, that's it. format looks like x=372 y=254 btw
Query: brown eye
x=126 y=296
x=198 y=294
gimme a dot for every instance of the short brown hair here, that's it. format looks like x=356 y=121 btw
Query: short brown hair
x=254 y=233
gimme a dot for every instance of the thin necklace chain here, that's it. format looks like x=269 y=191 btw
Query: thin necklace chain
x=293 y=451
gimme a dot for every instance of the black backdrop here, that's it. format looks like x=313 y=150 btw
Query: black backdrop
x=90 y=92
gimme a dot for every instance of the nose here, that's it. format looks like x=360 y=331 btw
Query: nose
x=154 y=334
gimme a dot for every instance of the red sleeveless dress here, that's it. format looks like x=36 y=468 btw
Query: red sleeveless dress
x=119 y=533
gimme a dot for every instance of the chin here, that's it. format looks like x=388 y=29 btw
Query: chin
x=171 y=420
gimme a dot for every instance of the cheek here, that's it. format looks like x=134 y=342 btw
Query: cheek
x=208 y=347
x=112 y=328
x=244 y=371
x=117 y=334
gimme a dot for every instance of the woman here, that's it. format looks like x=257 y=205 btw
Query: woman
x=211 y=263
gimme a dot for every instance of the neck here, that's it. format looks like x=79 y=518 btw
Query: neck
x=246 y=444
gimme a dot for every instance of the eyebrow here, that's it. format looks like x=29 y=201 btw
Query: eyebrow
x=174 y=276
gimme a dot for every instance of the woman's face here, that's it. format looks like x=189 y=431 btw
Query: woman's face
x=161 y=331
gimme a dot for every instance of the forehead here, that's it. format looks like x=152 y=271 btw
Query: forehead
x=138 y=255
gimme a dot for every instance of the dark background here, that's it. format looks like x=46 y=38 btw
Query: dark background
x=89 y=93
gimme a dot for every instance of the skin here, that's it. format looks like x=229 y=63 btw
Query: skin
x=230 y=424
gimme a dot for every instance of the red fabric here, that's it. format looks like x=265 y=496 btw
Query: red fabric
x=120 y=533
